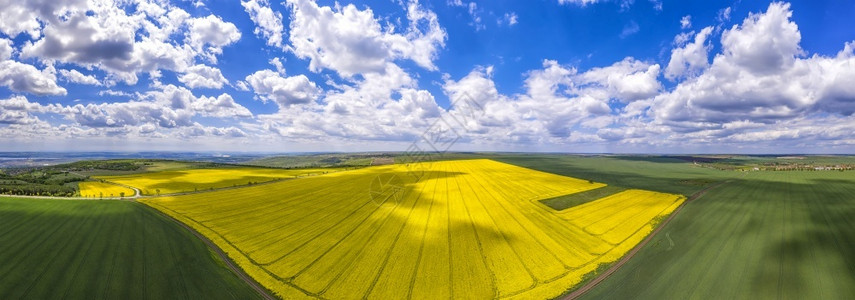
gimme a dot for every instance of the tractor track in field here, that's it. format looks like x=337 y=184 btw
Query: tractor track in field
x=616 y=266
x=263 y=292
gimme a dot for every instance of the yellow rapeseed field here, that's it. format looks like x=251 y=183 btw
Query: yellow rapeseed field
x=95 y=189
x=170 y=182
x=467 y=229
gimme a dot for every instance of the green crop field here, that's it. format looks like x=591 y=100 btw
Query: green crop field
x=649 y=173
x=782 y=235
x=760 y=235
x=751 y=235
x=82 y=249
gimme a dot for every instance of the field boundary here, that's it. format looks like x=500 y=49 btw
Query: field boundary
x=263 y=292
x=616 y=266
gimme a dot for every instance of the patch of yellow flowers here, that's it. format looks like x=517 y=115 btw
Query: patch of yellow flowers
x=193 y=180
x=466 y=229
x=95 y=189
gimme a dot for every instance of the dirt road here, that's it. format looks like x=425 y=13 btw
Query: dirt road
x=591 y=284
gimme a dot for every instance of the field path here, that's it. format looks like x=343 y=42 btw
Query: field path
x=264 y=293
x=593 y=283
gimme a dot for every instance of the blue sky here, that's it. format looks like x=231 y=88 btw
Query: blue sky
x=548 y=75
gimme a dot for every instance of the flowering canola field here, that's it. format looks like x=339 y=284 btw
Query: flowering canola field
x=95 y=189
x=470 y=229
x=170 y=182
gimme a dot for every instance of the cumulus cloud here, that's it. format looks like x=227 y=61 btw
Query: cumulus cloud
x=170 y=108
x=764 y=43
x=78 y=37
x=284 y=91
x=202 y=76
x=352 y=41
x=691 y=58
x=77 y=77
x=213 y=32
x=20 y=77
x=762 y=78
x=121 y=38
x=223 y=106
x=385 y=106
x=17 y=110
x=6 y=49
x=627 y=80
x=268 y=22
x=560 y=105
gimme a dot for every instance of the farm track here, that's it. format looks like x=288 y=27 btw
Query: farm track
x=223 y=256
x=593 y=283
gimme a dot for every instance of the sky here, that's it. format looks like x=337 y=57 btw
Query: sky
x=579 y=76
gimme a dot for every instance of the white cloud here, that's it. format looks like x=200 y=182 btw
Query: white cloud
x=17 y=109
x=6 y=49
x=629 y=29
x=276 y=62
x=724 y=14
x=77 y=37
x=352 y=41
x=241 y=85
x=213 y=32
x=382 y=106
x=691 y=58
x=20 y=77
x=560 y=104
x=579 y=2
x=75 y=76
x=18 y=17
x=284 y=91
x=268 y=22
x=760 y=77
x=114 y=93
x=509 y=18
x=764 y=43
x=121 y=38
x=223 y=106
x=657 y=4
x=686 y=22
x=169 y=108
x=627 y=80
x=203 y=76
x=474 y=13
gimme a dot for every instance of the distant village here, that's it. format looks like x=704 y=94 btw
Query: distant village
x=783 y=165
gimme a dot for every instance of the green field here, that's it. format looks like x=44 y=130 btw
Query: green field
x=649 y=173
x=82 y=249
x=761 y=235
x=568 y=201
x=781 y=235
x=753 y=235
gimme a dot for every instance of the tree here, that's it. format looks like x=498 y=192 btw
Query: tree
x=122 y=194
x=157 y=191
